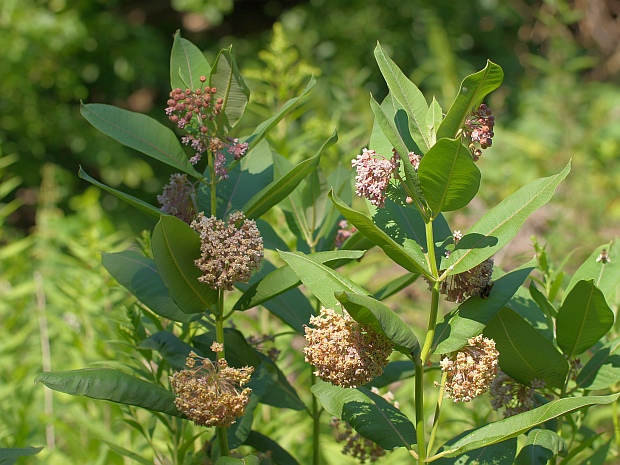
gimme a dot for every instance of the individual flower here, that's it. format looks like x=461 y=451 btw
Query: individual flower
x=209 y=393
x=344 y=352
x=229 y=251
x=471 y=370
x=356 y=446
x=478 y=128
x=373 y=176
x=176 y=198
x=343 y=233
x=515 y=397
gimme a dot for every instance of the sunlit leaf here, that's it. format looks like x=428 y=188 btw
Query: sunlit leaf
x=230 y=87
x=541 y=445
x=187 y=64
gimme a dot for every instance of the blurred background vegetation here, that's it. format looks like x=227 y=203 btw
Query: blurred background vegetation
x=560 y=101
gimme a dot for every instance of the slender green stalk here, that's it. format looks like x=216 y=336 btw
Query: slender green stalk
x=616 y=423
x=222 y=438
x=437 y=412
x=316 y=427
x=419 y=412
x=212 y=183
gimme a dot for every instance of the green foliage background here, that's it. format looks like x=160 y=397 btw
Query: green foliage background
x=560 y=100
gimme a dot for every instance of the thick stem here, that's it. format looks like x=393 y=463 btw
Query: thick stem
x=316 y=428
x=419 y=412
x=222 y=438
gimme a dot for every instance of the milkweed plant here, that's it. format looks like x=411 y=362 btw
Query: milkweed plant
x=542 y=354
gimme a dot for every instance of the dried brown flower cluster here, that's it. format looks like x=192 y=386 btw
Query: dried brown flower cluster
x=479 y=128
x=356 y=446
x=373 y=176
x=176 y=199
x=210 y=393
x=516 y=397
x=471 y=370
x=229 y=251
x=344 y=352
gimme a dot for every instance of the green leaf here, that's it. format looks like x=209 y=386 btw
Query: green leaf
x=140 y=132
x=408 y=96
x=603 y=369
x=369 y=414
x=394 y=371
x=448 y=176
x=139 y=275
x=500 y=224
x=542 y=301
x=541 y=445
x=127 y=453
x=368 y=311
x=172 y=349
x=388 y=127
x=266 y=126
x=322 y=281
x=524 y=354
x=605 y=275
x=473 y=89
x=112 y=385
x=470 y=318
x=396 y=285
x=133 y=201
x=583 y=319
x=247 y=460
x=229 y=84
x=276 y=191
x=412 y=259
x=175 y=247
x=518 y=424
x=187 y=64
x=434 y=117
x=502 y=453
x=15 y=452
x=267 y=445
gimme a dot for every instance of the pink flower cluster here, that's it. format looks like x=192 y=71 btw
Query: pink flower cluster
x=479 y=128
x=373 y=176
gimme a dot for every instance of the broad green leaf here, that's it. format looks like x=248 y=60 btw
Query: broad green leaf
x=434 y=117
x=15 y=452
x=412 y=260
x=394 y=371
x=541 y=445
x=229 y=84
x=247 y=460
x=388 y=128
x=172 y=349
x=112 y=385
x=395 y=286
x=524 y=354
x=187 y=64
x=500 y=224
x=276 y=191
x=501 y=453
x=408 y=96
x=473 y=89
x=368 y=311
x=606 y=276
x=513 y=426
x=175 y=247
x=470 y=318
x=322 y=281
x=542 y=301
x=448 y=176
x=265 y=444
x=523 y=304
x=266 y=126
x=133 y=201
x=369 y=414
x=139 y=132
x=583 y=319
x=139 y=275
x=603 y=369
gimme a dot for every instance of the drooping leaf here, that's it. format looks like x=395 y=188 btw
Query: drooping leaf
x=541 y=445
x=448 y=176
x=473 y=89
x=500 y=224
x=140 y=132
x=369 y=414
x=139 y=204
x=187 y=64
x=603 y=369
x=501 y=453
x=513 y=426
x=172 y=349
x=583 y=319
x=470 y=318
x=524 y=354
x=267 y=445
x=280 y=188
x=230 y=87
x=112 y=385
x=368 y=311
x=139 y=275
x=175 y=247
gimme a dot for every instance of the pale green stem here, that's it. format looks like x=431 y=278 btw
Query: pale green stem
x=316 y=427
x=419 y=412
x=431 y=441
x=616 y=423
x=222 y=438
x=212 y=184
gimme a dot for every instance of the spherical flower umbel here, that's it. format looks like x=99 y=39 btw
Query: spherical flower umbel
x=230 y=251
x=516 y=397
x=471 y=370
x=344 y=352
x=176 y=198
x=479 y=128
x=209 y=393
x=373 y=176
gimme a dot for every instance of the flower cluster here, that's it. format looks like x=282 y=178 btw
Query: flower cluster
x=516 y=397
x=210 y=393
x=470 y=371
x=344 y=352
x=344 y=232
x=176 y=199
x=356 y=446
x=479 y=128
x=229 y=252
x=373 y=176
